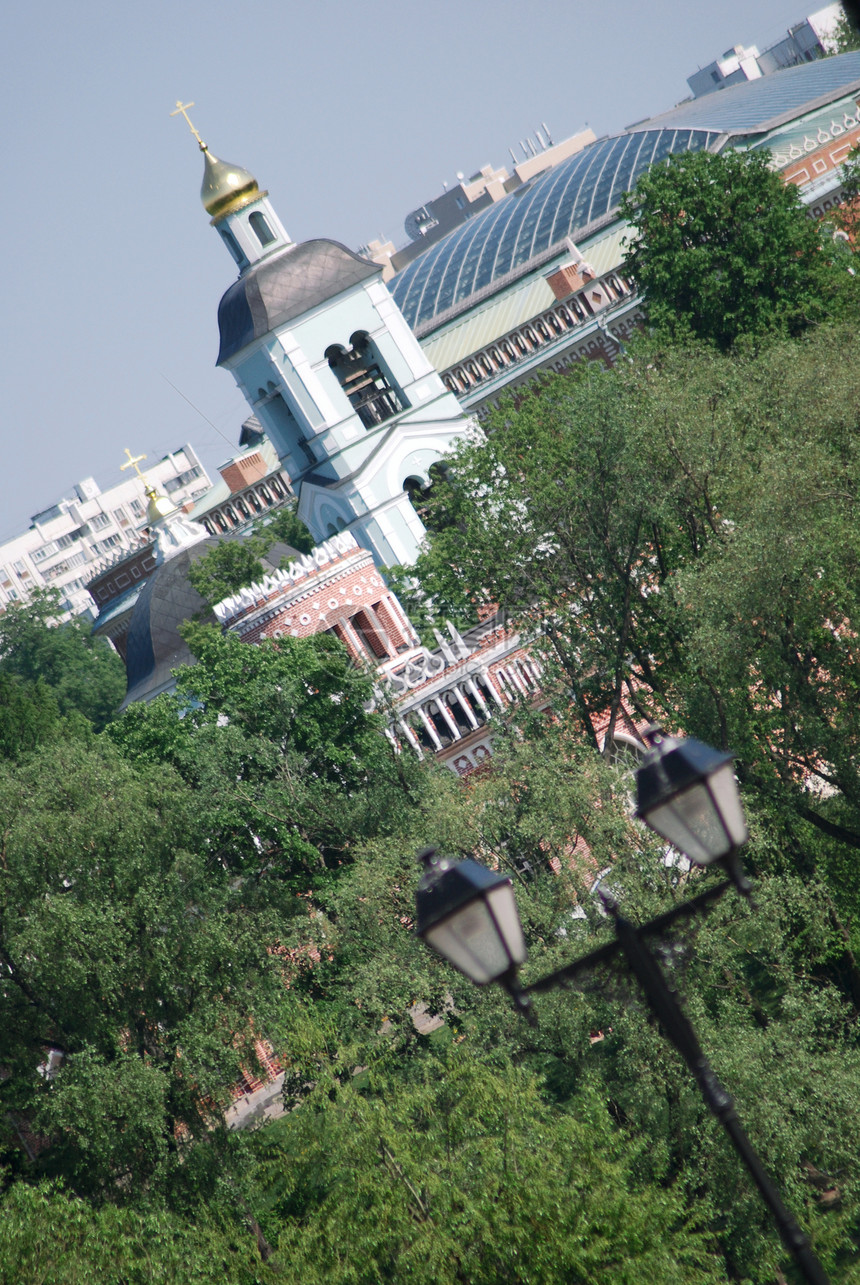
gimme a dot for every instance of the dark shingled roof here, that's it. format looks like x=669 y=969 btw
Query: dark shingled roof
x=154 y=646
x=285 y=286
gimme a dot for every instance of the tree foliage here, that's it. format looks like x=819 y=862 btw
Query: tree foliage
x=679 y=535
x=84 y=674
x=721 y=248
x=279 y=741
x=234 y=563
x=125 y=948
x=466 y=1174
x=224 y=569
x=847 y=32
x=49 y=1235
x=684 y=531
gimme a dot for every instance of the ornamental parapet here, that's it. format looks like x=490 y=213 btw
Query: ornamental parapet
x=254 y=596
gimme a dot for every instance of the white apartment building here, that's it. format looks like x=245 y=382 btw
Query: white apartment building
x=67 y=543
x=813 y=37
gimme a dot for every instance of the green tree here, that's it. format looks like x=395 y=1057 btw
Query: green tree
x=685 y=529
x=766 y=990
x=279 y=741
x=285 y=527
x=138 y=956
x=226 y=568
x=721 y=248
x=462 y=1174
x=845 y=219
x=234 y=563
x=847 y=33
x=29 y=716
x=49 y=1235
x=83 y=673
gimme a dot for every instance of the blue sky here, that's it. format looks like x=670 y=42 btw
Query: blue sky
x=349 y=114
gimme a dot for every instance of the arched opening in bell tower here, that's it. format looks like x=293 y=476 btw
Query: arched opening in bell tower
x=371 y=393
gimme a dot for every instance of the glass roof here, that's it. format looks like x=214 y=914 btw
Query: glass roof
x=588 y=186
x=756 y=105
x=559 y=203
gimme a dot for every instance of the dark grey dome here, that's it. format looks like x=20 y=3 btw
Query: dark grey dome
x=283 y=287
x=154 y=646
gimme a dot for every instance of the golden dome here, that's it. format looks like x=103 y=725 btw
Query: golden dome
x=159 y=506
x=226 y=188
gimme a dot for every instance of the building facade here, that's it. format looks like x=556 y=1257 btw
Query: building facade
x=251 y=484
x=86 y=529
x=441 y=702
x=814 y=37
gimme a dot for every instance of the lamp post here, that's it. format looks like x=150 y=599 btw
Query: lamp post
x=686 y=792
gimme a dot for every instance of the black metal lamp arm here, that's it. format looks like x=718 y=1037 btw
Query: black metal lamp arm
x=663 y=1002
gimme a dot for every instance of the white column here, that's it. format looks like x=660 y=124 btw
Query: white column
x=510 y=673
x=449 y=718
x=410 y=737
x=431 y=730
x=495 y=695
x=466 y=707
x=474 y=690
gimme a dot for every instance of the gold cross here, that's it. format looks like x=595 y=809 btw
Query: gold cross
x=133 y=462
x=182 y=110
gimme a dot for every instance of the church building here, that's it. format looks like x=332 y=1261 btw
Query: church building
x=328 y=365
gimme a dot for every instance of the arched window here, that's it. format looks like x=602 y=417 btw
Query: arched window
x=623 y=752
x=449 y=383
x=371 y=636
x=371 y=393
x=261 y=229
x=391 y=626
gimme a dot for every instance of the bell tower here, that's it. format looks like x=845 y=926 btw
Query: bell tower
x=329 y=366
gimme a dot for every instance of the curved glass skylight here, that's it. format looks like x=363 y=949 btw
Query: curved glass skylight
x=562 y=202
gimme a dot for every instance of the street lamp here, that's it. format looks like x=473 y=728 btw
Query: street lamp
x=687 y=793
x=469 y=915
